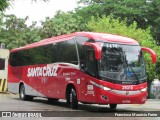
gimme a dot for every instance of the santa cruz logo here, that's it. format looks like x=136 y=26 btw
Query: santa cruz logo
x=49 y=70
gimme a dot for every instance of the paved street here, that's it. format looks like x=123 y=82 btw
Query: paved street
x=11 y=102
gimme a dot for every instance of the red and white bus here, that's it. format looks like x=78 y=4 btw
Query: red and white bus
x=87 y=67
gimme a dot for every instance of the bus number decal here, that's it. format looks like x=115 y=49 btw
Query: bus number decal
x=127 y=87
x=49 y=70
x=90 y=92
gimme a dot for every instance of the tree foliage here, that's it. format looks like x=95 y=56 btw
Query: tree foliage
x=6 y=3
x=116 y=26
x=15 y=33
x=62 y=23
x=145 y=12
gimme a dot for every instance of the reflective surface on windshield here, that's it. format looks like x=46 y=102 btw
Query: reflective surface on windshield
x=122 y=63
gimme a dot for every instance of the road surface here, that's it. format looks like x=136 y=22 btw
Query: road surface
x=60 y=110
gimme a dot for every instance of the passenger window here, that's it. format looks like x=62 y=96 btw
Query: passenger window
x=68 y=52
x=58 y=52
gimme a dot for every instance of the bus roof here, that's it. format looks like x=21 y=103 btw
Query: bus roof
x=92 y=35
x=108 y=37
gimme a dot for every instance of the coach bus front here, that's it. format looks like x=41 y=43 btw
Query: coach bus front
x=122 y=64
x=121 y=73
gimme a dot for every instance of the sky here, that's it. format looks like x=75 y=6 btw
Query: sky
x=38 y=11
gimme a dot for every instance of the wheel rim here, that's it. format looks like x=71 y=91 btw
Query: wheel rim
x=71 y=98
x=22 y=93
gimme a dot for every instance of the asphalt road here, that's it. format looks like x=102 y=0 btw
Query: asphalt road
x=59 y=110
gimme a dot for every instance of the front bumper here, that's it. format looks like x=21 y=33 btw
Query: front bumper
x=121 y=97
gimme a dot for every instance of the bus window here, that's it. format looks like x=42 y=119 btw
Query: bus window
x=68 y=54
x=81 y=50
x=90 y=62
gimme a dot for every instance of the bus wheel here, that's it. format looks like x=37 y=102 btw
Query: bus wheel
x=73 y=99
x=68 y=97
x=112 y=106
x=22 y=94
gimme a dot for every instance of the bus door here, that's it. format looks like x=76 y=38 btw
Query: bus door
x=90 y=62
x=90 y=73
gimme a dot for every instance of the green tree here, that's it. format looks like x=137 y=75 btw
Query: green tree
x=1 y=20
x=62 y=23
x=15 y=33
x=145 y=12
x=116 y=26
x=5 y=3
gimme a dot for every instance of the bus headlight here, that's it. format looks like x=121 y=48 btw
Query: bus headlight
x=144 y=89
x=100 y=86
x=106 y=88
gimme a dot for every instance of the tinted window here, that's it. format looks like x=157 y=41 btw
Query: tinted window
x=90 y=62
x=68 y=52
x=82 y=48
x=57 y=52
x=30 y=57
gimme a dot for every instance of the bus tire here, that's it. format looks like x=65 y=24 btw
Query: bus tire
x=22 y=94
x=68 y=95
x=73 y=98
x=112 y=106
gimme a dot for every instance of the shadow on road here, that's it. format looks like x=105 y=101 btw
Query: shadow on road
x=81 y=107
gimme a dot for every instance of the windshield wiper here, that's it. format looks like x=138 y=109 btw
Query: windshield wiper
x=130 y=68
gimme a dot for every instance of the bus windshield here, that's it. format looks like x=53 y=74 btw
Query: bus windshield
x=122 y=64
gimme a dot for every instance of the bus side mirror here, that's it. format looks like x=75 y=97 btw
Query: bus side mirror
x=153 y=54
x=96 y=48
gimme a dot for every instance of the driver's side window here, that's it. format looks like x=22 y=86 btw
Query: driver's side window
x=90 y=62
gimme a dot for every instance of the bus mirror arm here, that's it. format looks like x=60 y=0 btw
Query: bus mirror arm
x=153 y=54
